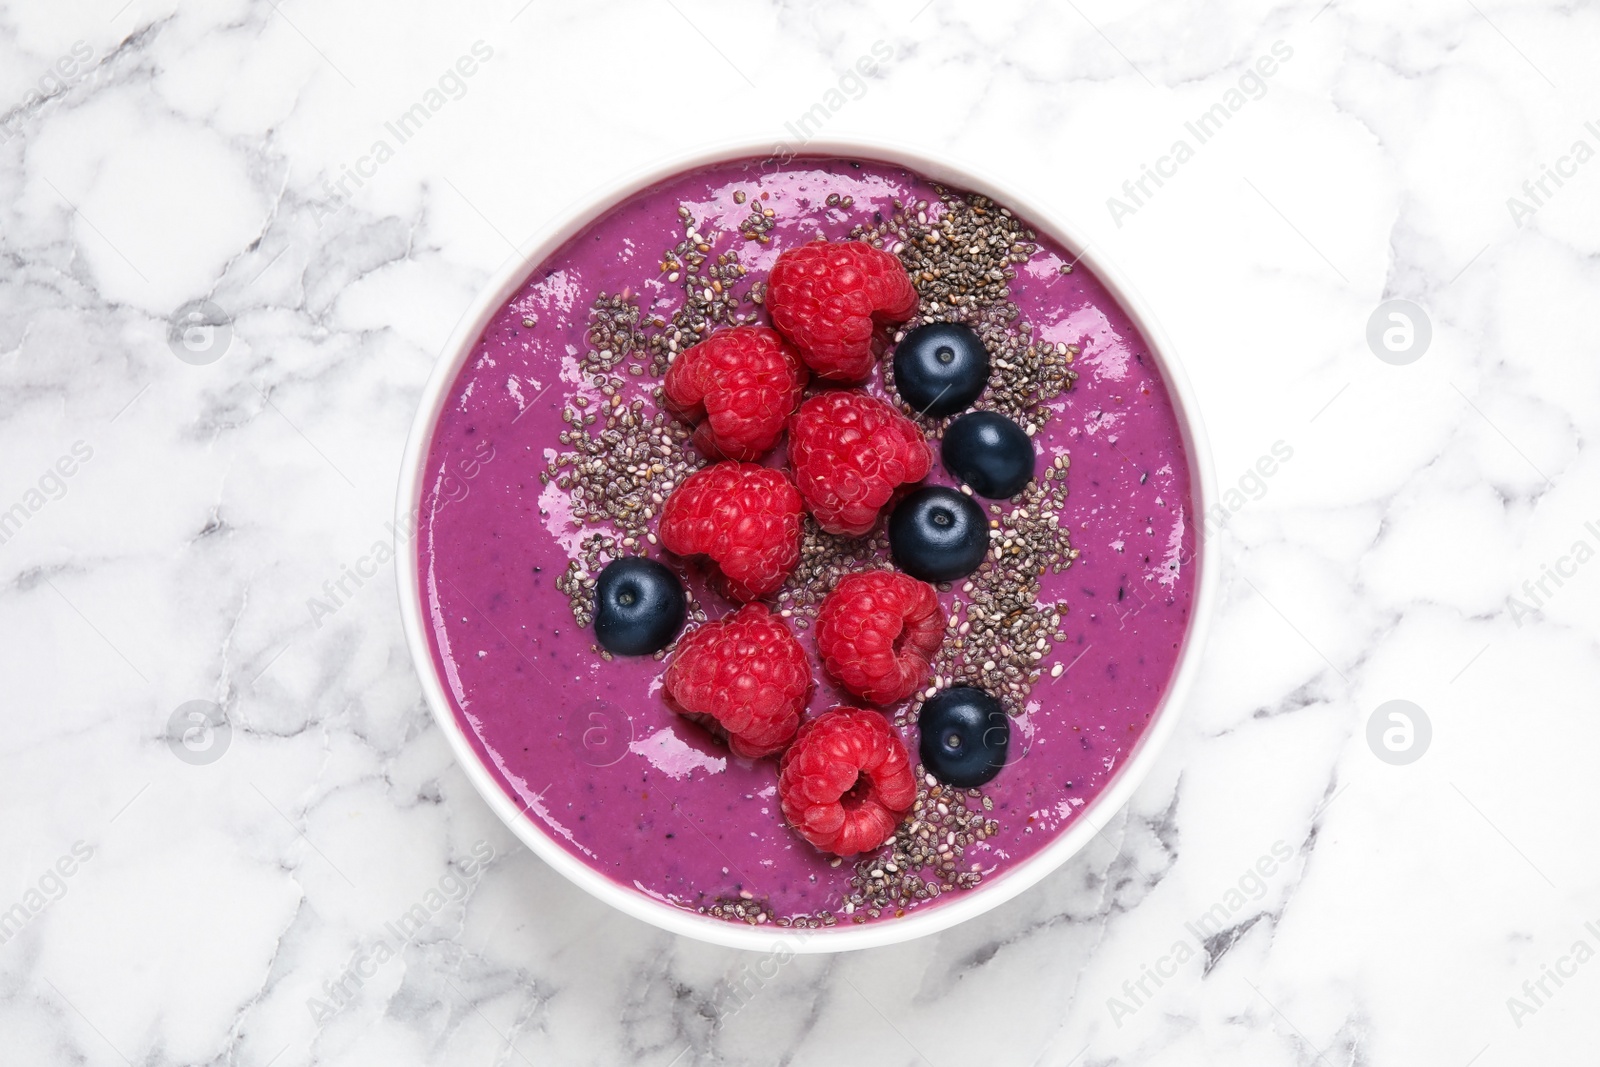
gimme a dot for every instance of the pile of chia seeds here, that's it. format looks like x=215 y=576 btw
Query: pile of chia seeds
x=924 y=858
x=742 y=909
x=824 y=559
x=962 y=254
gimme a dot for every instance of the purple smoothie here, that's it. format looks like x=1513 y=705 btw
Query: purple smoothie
x=588 y=747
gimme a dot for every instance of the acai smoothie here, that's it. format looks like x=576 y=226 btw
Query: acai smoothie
x=554 y=455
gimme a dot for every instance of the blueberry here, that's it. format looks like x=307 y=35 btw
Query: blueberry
x=965 y=736
x=940 y=368
x=990 y=453
x=639 y=606
x=938 y=534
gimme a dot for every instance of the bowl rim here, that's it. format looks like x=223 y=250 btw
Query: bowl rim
x=513 y=274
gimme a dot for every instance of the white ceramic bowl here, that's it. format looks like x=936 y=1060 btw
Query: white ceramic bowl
x=926 y=920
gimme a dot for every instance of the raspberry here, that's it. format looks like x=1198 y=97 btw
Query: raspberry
x=877 y=633
x=849 y=452
x=745 y=517
x=846 y=781
x=740 y=385
x=832 y=298
x=745 y=677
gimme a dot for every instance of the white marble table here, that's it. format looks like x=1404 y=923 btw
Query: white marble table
x=167 y=525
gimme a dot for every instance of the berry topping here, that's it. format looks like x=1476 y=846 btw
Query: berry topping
x=832 y=299
x=745 y=517
x=849 y=452
x=940 y=368
x=738 y=385
x=938 y=534
x=638 y=606
x=846 y=781
x=877 y=633
x=990 y=453
x=744 y=677
x=965 y=736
